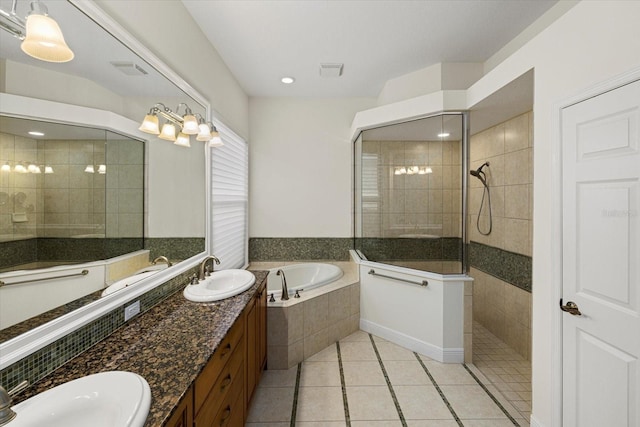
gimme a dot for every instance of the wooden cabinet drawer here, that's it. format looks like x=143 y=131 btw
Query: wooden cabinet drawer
x=232 y=373
x=231 y=412
x=221 y=356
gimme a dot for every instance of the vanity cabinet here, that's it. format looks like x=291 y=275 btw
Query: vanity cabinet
x=183 y=414
x=221 y=393
x=256 y=340
x=221 y=384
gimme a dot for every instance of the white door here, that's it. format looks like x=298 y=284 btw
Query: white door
x=601 y=277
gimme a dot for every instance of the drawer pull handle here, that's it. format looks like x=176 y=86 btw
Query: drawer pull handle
x=226 y=349
x=225 y=382
x=225 y=415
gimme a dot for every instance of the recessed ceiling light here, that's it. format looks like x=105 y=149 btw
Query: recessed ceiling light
x=443 y=135
x=36 y=133
x=287 y=80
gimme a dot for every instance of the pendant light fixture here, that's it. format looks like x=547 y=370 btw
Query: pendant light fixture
x=186 y=125
x=40 y=34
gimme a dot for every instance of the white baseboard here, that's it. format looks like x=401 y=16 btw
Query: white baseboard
x=535 y=423
x=444 y=355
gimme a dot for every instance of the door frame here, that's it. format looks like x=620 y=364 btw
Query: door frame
x=556 y=179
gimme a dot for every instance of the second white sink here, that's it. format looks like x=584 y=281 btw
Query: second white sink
x=220 y=285
x=107 y=399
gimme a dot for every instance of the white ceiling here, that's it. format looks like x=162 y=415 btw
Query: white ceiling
x=262 y=41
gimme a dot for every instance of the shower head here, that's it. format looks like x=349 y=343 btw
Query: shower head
x=479 y=173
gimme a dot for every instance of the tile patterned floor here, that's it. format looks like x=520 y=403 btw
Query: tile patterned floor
x=366 y=381
x=508 y=371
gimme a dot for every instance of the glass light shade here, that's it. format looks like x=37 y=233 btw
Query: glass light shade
x=216 y=142
x=6 y=167
x=20 y=168
x=31 y=168
x=150 y=124
x=102 y=169
x=402 y=171
x=44 y=40
x=190 y=125
x=168 y=132
x=428 y=170
x=37 y=170
x=205 y=133
x=48 y=169
x=182 y=140
x=89 y=169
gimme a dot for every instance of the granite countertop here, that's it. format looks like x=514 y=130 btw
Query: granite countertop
x=168 y=346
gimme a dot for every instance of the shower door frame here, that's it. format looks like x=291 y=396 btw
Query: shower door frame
x=465 y=177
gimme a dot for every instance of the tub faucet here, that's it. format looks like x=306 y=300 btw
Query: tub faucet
x=285 y=292
x=163 y=259
x=203 y=265
x=6 y=413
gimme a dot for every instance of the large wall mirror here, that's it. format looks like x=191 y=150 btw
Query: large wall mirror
x=94 y=191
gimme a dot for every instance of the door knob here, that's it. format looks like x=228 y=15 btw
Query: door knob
x=571 y=308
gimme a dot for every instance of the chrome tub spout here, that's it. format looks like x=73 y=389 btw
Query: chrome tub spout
x=285 y=292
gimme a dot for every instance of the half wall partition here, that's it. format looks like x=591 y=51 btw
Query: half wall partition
x=410 y=194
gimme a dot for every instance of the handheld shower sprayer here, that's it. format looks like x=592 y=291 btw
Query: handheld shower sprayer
x=479 y=173
x=482 y=176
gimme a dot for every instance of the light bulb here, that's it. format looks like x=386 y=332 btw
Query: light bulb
x=216 y=142
x=182 y=140
x=44 y=40
x=168 y=132
x=205 y=133
x=190 y=125
x=150 y=124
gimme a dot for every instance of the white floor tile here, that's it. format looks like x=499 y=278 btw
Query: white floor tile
x=371 y=403
x=320 y=374
x=421 y=403
x=320 y=404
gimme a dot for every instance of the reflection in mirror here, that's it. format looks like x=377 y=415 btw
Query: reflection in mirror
x=74 y=194
x=110 y=79
x=408 y=208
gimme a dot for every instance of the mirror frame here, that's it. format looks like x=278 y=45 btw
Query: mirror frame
x=23 y=345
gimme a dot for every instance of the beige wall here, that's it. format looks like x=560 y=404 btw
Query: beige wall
x=502 y=308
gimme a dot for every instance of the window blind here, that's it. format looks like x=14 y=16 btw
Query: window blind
x=229 y=200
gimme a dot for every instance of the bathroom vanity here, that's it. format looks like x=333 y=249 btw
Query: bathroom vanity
x=202 y=360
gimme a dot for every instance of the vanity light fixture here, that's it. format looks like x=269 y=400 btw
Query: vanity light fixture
x=443 y=134
x=19 y=167
x=35 y=133
x=186 y=125
x=6 y=167
x=48 y=169
x=40 y=34
x=102 y=169
x=89 y=169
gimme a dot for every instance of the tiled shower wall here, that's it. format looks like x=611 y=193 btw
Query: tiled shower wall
x=502 y=307
x=399 y=205
x=70 y=202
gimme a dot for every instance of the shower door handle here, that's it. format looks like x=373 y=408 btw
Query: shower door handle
x=571 y=308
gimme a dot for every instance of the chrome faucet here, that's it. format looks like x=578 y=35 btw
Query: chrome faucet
x=163 y=259
x=285 y=292
x=203 y=271
x=6 y=413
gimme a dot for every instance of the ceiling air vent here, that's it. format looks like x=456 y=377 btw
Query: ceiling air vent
x=330 y=70
x=130 y=68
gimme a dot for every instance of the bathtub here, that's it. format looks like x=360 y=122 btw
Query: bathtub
x=301 y=277
x=327 y=311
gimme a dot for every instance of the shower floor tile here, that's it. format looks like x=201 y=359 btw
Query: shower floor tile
x=381 y=384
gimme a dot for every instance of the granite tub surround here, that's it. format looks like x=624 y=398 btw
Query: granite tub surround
x=299 y=248
x=174 y=248
x=168 y=346
x=300 y=327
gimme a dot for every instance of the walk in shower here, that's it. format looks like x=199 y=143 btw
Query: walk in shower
x=409 y=205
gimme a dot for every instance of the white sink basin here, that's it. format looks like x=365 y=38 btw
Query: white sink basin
x=106 y=399
x=220 y=285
